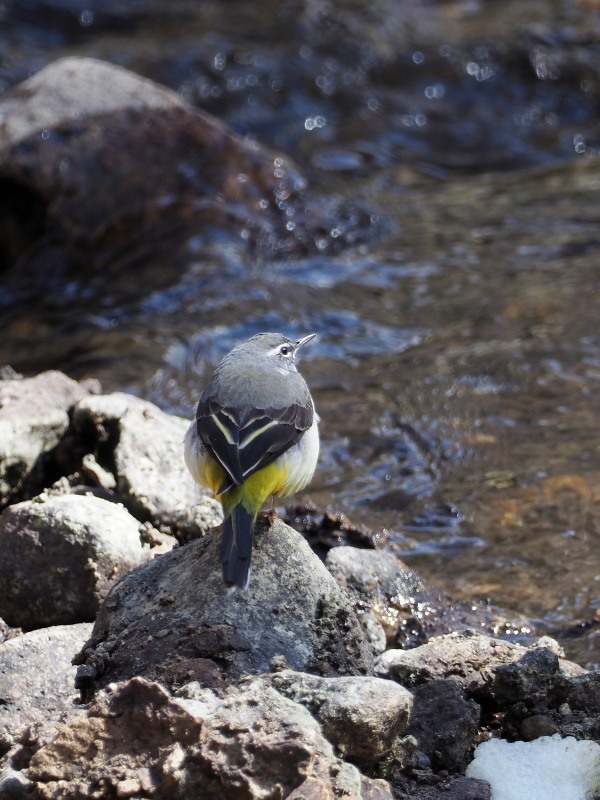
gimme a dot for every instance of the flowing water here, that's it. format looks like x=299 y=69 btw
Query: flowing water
x=457 y=366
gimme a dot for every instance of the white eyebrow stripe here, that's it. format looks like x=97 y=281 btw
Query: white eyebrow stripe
x=252 y=436
x=225 y=431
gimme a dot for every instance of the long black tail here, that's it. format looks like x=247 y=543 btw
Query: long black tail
x=236 y=546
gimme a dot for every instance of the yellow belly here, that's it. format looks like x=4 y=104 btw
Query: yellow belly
x=255 y=490
x=288 y=474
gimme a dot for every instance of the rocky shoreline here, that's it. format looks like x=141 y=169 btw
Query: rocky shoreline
x=296 y=688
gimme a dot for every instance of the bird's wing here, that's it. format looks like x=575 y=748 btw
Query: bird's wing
x=244 y=445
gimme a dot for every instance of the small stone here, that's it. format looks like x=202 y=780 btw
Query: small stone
x=128 y=788
x=538 y=725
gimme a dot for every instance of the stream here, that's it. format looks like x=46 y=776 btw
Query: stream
x=457 y=365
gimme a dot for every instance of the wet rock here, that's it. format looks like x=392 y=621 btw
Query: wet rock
x=142 y=447
x=408 y=611
x=60 y=555
x=36 y=675
x=137 y=740
x=33 y=419
x=162 y=172
x=444 y=724
x=361 y=716
x=174 y=618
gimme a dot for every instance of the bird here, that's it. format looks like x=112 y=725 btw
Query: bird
x=255 y=435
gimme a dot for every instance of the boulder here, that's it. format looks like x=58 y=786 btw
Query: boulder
x=361 y=716
x=60 y=554
x=174 y=620
x=37 y=677
x=162 y=172
x=136 y=740
x=142 y=447
x=395 y=605
x=34 y=416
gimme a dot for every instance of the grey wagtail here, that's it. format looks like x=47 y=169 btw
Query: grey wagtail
x=255 y=435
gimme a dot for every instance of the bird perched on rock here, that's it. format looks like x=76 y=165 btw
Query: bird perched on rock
x=255 y=435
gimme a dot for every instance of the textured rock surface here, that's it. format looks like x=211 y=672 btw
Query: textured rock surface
x=444 y=724
x=37 y=677
x=173 y=619
x=143 y=447
x=33 y=419
x=465 y=658
x=60 y=554
x=393 y=596
x=138 y=741
x=362 y=716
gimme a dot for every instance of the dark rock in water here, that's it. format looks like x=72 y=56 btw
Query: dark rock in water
x=391 y=598
x=110 y=167
x=34 y=416
x=60 y=554
x=36 y=675
x=172 y=616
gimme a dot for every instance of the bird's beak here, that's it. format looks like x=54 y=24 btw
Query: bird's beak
x=300 y=342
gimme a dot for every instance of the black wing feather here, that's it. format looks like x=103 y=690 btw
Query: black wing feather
x=240 y=462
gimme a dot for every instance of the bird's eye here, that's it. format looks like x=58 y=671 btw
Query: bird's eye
x=285 y=349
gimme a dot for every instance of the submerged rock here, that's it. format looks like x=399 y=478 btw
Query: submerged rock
x=60 y=554
x=174 y=620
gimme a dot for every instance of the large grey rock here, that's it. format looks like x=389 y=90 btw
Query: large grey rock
x=33 y=419
x=362 y=716
x=143 y=447
x=174 y=620
x=37 y=677
x=162 y=172
x=137 y=741
x=60 y=554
